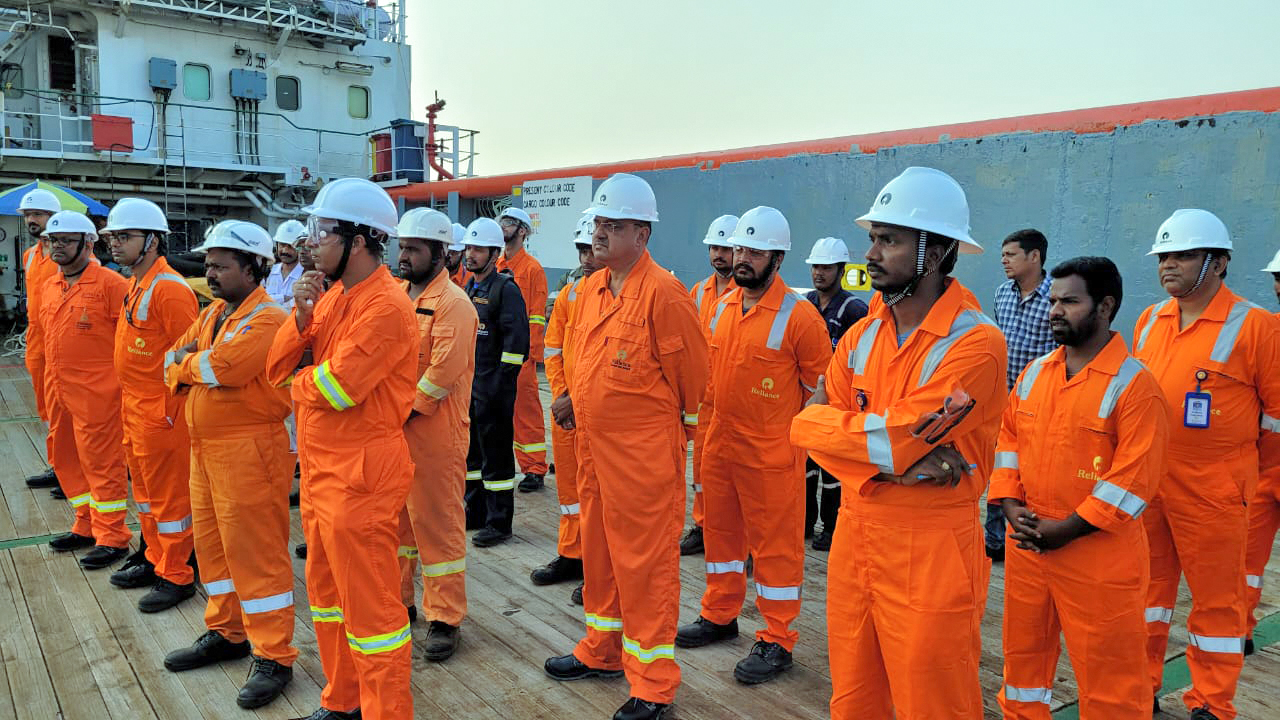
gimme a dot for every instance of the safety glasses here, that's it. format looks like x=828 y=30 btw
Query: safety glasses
x=319 y=228
x=935 y=425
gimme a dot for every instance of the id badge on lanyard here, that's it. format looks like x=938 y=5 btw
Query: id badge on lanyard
x=1197 y=406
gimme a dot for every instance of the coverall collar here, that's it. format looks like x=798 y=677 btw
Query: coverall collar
x=941 y=315
x=630 y=286
x=517 y=256
x=771 y=299
x=1107 y=361
x=376 y=278
x=159 y=266
x=1215 y=311
x=433 y=288
x=250 y=303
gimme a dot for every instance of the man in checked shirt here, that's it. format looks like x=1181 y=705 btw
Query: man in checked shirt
x=1022 y=312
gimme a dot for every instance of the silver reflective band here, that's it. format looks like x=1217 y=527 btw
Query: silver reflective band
x=1253 y=581
x=1270 y=424
x=719 y=568
x=1119 y=498
x=778 y=593
x=879 y=449
x=500 y=485
x=144 y=507
x=1129 y=369
x=219 y=587
x=831 y=485
x=697 y=487
x=862 y=351
x=779 y=327
x=206 y=368
x=432 y=390
x=964 y=322
x=1006 y=461
x=697 y=294
x=1158 y=614
x=1230 y=331
x=573 y=509
x=716 y=319
x=1029 y=377
x=550 y=351
x=267 y=604
x=144 y=305
x=1225 y=645
x=1151 y=321
x=1035 y=695
x=174 y=526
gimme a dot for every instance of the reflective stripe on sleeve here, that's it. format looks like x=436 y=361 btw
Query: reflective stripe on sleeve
x=550 y=352
x=879 y=448
x=331 y=388
x=1006 y=461
x=537 y=320
x=206 y=368
x=431 y=390
x=1119 y=498
x=512 y=358
x=1253 y=581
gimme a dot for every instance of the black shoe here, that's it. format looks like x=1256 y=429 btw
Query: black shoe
x=293 y=501
x=531 y=482
x=995 y=553
x=46 y=479
x=809 y=531
x=323 y=714
x=300 y=550
x=1155 y=705
x=165 y=595
x=558 y=570
x=1248 y=646
x=568 y=667
x=70 y=541
x=575 y=597
x=442 y=641
x=209 y=648
x=766 y=661
x=413 y=613
x=137 y=572
x=488 y=537
x=57 y=494
x=637 y=709
x=267 y=679
x=1202 y=713
x=822 y=543
x=691 y=543
x=102 y=556
x=702 y=632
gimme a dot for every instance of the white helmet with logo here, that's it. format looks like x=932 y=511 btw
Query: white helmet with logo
x=70 y=221
x=519 y=215
x=762 y=228
x=136 y=214
x=925 y=199
x=358 y=201
x=1274 y=267
x=484 y=232
x=624 y=197
x=1191 y=230
x=586 y=228
x=459 y=233
x=288 y=231
x=426 y=224
x=720 y=230
x=828 y=251
x=239 y=235
x=40 y=199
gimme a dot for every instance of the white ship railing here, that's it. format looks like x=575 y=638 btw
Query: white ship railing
x=346 y=20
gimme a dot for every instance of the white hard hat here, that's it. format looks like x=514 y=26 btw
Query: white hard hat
x=40 y=199
x=240 y=235
x=356 y=200
x=1191 y=230
x=828 y=251
x=289 y=231
x=762 y=228
x=720 y=230
x=426 y=224
x=484 y=232
x=70 y=221
x=922 y=198
x=1274 y=267
x=519 y=214
x=586 y=228
x=136 y=214
x=624 y=197
x=459 y=233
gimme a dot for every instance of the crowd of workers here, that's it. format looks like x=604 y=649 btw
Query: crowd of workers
x=406 y=405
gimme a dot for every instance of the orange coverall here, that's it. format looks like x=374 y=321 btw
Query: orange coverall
x=1092 y=445
x=439 y=435
x=530 y=427
x=351 y=405
x=241 y=473
x=460 y=277
x=704 y=299
x=83 y=399
x=37 y=268
x=1198 y=522
x=1264 y=514
x=559 y=364
x=904 y=619
x=640 y=369
x=160 y=307
x=764 y=365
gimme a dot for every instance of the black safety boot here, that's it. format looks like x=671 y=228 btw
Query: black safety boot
x=822 y=543
x=637 y=709
x=702 y=632
x=323 y=714
x=137 y=572
x=209 y=648
x=165 y=595
x=102 y=556
x=70 y=541
x=300 y=550
x=1248 y=646
x=46 y=479
x=558 y=570
x=575 y=597
x=531 y=482
x=488 y=537
x=413 y=613
x=568 y=667
x=995 y=553
x=766 y=661
x=691 y=543
x=266 y=681
x=57 y=494
x=1202 y=713
x=294 y=499
x=442 y=641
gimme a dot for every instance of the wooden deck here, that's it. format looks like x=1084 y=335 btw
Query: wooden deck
x=73 y=646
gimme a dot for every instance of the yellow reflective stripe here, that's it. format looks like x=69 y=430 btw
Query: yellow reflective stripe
x=407 y=552
x=431 y=390
x=326 y=614
x=691 y=418
x=108 y=506
x=331 y=388
x=531 y=447
x=380 y=643
x=499 y=485
x=80 y=500
x=473 y=474
x=513 y=358
x=648 y=655
x=445 y=568
x=604 y=624
x=537 y=320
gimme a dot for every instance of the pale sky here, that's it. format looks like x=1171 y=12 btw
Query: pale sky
x=558 y=83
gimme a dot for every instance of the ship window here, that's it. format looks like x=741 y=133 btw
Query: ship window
x=195 y=82
x=287 y=92
x=358 y=101
x=62 y=63
x=11 y=80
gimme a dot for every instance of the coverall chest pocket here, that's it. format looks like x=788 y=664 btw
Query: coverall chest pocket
x=1092 y=448
x=770 y=376
x=629 y=357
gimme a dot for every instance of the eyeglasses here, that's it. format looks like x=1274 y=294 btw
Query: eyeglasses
x=123 y=236
x=752 y=253
x=508 y=222
x=63 y=241
x=613 y=227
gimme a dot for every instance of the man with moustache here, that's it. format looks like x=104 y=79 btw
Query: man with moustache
x=286 y=271
x=36 y=207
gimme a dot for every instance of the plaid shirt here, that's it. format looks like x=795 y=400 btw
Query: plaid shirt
x=1025 y=324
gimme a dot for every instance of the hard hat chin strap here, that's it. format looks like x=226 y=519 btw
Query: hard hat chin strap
x=147 y=244
x=911 y=285
x=1204 y=271
x=347 y=242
